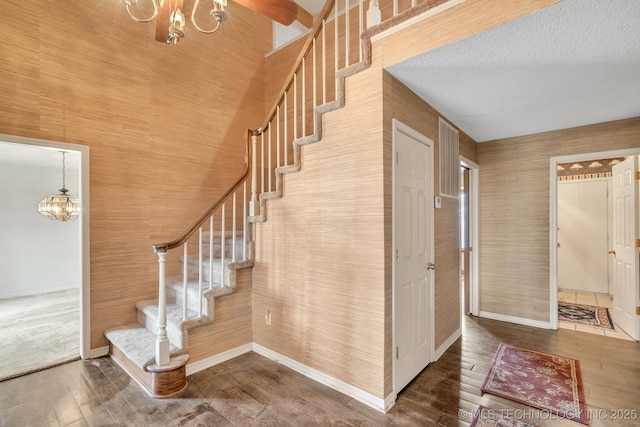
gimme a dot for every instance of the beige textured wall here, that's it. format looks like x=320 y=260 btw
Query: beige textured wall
x=402 y=104
x=166 y=126
x=320 y=266
x=514 y=212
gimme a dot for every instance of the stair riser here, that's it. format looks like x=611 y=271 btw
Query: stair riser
x=174 y=332
x=192 y=271
x=175 y=296
x=217 y=249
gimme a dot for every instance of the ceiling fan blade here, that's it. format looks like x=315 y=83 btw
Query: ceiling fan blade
x=282 y=11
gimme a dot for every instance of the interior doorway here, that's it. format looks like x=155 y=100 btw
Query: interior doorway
x=469 y=249
x=58 y=282
x=582 y=226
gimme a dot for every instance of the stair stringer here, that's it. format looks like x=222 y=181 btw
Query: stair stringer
x=316 y=136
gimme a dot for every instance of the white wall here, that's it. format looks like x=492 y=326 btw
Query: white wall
x=37 y=254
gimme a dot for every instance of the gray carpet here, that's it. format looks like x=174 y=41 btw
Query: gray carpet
x=38 y=332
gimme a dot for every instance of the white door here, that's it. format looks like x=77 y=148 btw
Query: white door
x=413 y=254
x=583 y=229
x=625 y=233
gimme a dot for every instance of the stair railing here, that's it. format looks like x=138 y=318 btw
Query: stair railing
x=331 y=51
x=216 y=214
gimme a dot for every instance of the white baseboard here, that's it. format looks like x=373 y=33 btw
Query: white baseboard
x=445 y=345
x=518 y=320
x=382 y=405
x=203 y=364
x=98 y=352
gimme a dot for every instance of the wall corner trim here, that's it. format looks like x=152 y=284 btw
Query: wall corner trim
x=216 y=359
x=445 y=345
x=368 y=399
x=518 y=320
x=99 y=352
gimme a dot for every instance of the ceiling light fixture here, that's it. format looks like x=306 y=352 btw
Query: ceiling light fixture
x=171 y=21
x=60 y=206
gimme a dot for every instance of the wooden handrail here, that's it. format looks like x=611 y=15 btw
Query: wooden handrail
x=164 y=247
x=317 y=27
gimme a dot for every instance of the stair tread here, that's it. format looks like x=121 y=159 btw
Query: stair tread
x=177 y=281
x=174 y=311
x=137 y=343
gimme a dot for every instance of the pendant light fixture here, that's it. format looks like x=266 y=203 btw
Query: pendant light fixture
x=61 y=206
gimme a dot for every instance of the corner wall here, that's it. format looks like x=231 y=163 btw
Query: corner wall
x=514 y=212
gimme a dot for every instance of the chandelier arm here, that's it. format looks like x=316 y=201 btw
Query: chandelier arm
x=195 y=24
x=128 y=3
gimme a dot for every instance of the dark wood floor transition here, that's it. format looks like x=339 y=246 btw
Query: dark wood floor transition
x=251 y=390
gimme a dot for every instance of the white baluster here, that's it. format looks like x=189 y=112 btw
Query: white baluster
x=295 y=110
x=278 y=133
x=286 y=128
x=324 y=61
x=269 y=159
x=336 y=47
x=200 y=266
x=162 y=341
x=374 y=15
x=222 y=247
x=262 y=161
x=395 y=7
x=360 y=25
x=244 y=213
x=233 y=229
x=254 y=177
x=211 y=251
x=185 y=280
x=304 y=99
x=347 y=34
x=314 y=84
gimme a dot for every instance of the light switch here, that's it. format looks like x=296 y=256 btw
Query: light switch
x=437 y=204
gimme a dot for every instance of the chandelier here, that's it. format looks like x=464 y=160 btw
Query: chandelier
x=170 y=20
x=60 y=206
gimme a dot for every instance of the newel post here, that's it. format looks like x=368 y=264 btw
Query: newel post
x=254 y=176
x=162 y=340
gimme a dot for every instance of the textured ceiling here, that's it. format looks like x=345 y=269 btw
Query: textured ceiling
x=572 y=64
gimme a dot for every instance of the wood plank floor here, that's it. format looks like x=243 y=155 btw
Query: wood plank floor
x=253 y=391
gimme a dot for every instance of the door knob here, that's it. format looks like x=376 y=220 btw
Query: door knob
x=431 y=266
x=611 y=251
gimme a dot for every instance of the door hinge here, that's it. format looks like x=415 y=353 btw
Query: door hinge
x=637 y=243
x=638 y=311
x=397 y=254
x=397 y=352
x=397 y=158
x=638 y=175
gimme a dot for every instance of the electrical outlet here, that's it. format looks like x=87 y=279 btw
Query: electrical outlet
x=267 y=317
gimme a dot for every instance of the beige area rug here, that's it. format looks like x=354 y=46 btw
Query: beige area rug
x=38 y=332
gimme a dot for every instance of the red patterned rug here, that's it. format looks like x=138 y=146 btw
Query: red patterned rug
x=485 y=417
x=544 y=381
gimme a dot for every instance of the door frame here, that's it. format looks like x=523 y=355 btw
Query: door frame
x=398 y=126
x=83 y=150
x=553 y=217
x=474 y=237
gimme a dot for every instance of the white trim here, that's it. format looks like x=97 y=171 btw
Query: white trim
x=398 y=126
x=553 y=217
x=382 y=405
x=85 y=306
x=94 y=353
x=203 y=364
x=474 y=219
x=517 y=320
x=416 y=19
x=33 y=294
x=448 y=343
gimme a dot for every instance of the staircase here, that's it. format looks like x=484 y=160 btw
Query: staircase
x=154 y=349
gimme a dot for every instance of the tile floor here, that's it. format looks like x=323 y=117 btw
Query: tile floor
x=589 y=298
